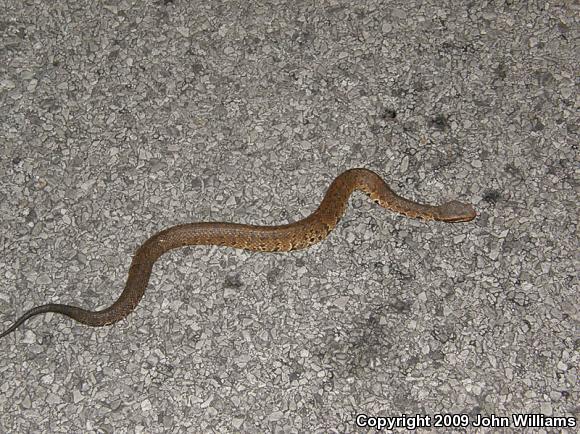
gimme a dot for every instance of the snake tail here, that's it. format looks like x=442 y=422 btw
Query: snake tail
x=297 y=235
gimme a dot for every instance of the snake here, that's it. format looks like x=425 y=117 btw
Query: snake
x=298 y=235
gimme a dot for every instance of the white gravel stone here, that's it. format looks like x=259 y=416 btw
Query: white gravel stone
x=125 y=118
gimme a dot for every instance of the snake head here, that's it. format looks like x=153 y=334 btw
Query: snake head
x=455 y=212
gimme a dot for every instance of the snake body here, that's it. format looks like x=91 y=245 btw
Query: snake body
x=298 y=235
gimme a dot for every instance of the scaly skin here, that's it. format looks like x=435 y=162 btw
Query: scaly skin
x=298 y=235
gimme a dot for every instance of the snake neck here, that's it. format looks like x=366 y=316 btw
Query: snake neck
x=377 y=189
x=298 y=235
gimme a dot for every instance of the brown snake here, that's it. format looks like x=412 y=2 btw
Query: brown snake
x=298 y=235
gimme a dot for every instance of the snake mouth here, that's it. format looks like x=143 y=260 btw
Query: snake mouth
x=297 y=235
x=459 y=219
